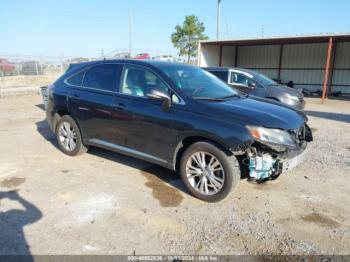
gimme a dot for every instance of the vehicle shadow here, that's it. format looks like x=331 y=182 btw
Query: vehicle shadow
x=330 y=116
x=12 y=222
x=146 y=169
x=44 y=130
x=41 y=106
x=154 y=173
x=150 y=171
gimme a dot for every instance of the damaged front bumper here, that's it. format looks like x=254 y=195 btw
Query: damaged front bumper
x=292 y=162
x=266 y=166
x=273 y=152
x=266 y=161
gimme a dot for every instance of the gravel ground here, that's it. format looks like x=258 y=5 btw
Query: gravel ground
x=106 y=203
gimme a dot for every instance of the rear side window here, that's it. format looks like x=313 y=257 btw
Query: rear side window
x=104 y=77
x=76 y=80
x=220 y=74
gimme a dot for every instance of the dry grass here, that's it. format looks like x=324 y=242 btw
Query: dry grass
x=28 y=80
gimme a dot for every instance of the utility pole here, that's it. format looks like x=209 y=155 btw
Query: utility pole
x=130 y=32
x=262 y=31
x=218 y=20
x=227 y=29
x=17 y=65
x=61 y=63
x=40 y=64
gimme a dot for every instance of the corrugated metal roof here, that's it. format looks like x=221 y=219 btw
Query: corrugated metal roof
x=312 y=38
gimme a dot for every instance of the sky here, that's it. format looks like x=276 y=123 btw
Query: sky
x=85 y=27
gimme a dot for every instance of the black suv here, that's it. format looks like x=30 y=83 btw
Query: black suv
x=177 y=116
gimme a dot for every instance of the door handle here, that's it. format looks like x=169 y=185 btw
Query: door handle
x=120 y=107
x=75 y=98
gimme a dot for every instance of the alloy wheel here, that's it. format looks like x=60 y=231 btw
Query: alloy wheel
x=67 y=136
x=205 y=173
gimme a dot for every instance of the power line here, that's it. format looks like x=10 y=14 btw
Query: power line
x=146 y=21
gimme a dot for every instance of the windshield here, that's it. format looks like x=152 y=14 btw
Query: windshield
x=198 y=83
x=264 y=80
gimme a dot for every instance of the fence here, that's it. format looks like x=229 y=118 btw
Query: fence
x=29 y=71
x=35 y=71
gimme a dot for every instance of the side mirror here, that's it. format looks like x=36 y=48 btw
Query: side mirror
x=156 y=94
x=252 y=85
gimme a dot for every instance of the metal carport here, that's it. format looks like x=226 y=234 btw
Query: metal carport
x=313 y=62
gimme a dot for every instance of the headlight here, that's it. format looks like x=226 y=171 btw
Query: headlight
x=291 y=97
x=277 y=139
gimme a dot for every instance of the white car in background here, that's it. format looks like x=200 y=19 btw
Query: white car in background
x=168 y=58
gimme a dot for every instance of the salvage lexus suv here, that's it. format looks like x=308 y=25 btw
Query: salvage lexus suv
x=177 y=116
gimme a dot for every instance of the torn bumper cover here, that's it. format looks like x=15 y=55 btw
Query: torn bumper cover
x=276 y=151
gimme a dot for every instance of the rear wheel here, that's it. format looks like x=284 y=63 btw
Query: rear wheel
x=69 y=137
x=208 y=172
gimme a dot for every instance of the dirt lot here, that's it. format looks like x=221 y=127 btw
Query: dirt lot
x=28 y=80
x=106 y=203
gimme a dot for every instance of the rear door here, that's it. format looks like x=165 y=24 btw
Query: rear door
x=90 y=100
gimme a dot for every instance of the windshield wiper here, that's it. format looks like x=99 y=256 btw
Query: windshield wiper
x=208 y=98
x=230 y=96
x=216 y=98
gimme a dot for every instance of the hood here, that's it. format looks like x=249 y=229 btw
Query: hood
x=255 y=112
x=285 y=89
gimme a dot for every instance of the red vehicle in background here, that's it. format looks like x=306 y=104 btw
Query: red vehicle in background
x=6 y=68
x=142 y=56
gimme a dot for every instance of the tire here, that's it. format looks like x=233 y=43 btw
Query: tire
x=229 y=174
x=65 y=138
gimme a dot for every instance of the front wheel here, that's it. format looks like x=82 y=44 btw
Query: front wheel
x=208 y=172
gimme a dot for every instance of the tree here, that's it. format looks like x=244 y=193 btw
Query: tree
x=186 y=36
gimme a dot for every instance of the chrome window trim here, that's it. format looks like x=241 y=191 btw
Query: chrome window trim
x=87 y=87
x=238 y=72
x=77 y=73
x=126 y=150
x=182 y=101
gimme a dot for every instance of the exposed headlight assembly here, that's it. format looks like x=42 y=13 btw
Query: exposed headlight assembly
x=292 y=97
x=276 y=139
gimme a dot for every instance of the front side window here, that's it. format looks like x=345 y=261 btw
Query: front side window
x=139 y=81
x=197 y=83
x=103 y=77
x=240 y=79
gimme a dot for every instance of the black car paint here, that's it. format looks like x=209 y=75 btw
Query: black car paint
x=276 y=92
x=141 y=127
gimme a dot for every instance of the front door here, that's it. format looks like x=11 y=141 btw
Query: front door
x=144 y=126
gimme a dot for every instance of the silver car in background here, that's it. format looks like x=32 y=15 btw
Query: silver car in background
x=256 y=84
